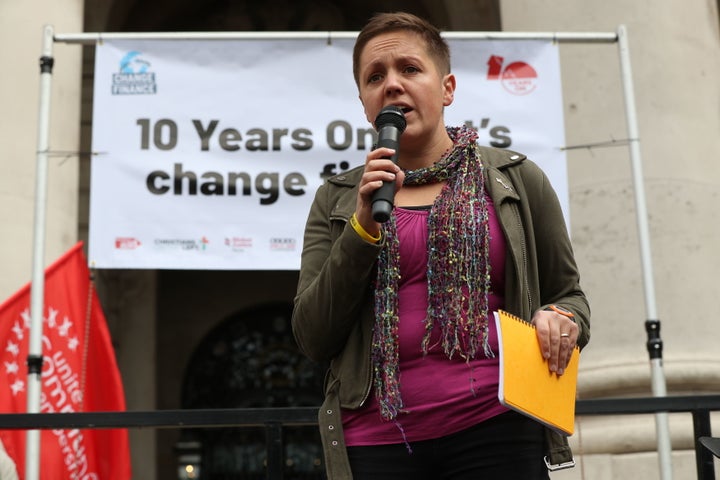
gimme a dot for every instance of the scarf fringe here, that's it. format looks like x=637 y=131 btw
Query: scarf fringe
x=458 y=270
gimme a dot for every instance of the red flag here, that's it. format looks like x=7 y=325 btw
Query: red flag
x=79 y=374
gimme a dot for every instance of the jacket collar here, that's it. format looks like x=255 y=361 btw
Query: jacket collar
x=346 y=202
x=497 y=162
x=497 y=183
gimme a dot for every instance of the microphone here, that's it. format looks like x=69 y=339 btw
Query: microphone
x=390 y=124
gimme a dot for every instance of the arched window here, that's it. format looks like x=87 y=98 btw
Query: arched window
x=248 y=361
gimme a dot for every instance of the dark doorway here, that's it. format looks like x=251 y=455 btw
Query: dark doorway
x=250 y=360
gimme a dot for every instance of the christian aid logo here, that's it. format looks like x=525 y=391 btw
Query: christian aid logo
x=518 y=78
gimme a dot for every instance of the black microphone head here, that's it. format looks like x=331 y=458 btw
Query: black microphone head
x=391 y=115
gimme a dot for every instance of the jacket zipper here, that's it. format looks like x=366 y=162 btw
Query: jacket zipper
x=524 y=262
x=523 y=249
x=369 y=385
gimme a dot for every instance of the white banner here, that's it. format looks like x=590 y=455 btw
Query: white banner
x=208 y=153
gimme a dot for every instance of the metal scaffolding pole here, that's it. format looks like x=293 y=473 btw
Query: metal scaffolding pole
x=37 y=290
x=652 y=325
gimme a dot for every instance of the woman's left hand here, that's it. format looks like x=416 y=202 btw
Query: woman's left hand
x=557 y=335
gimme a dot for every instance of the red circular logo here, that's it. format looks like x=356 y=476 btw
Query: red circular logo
x=519 y=78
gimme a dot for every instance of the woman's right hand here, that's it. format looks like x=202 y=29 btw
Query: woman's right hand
x=378 y=169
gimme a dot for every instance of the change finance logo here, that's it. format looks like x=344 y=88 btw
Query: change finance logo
x=134 y=76
x=518 y=78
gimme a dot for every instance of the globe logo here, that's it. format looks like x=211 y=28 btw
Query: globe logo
x=134 y=77
x=132 y=63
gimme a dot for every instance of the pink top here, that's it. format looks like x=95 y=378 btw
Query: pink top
x=441 y=396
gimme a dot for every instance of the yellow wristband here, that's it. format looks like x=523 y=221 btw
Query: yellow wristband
x=362 y=232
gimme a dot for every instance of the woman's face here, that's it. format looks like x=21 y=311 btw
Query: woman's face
x=396 y=69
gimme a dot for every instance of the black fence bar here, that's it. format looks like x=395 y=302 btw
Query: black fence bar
x=275 y=453
x=274 y=419
x=704 y=461
x=670 y=404
x=699 y=406
x=200 y=418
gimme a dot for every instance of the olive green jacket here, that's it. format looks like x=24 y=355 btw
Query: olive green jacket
x=333 y=312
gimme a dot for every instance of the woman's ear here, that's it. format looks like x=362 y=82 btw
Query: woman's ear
x=449 y=84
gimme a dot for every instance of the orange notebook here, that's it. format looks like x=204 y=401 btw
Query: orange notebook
x=526 y=383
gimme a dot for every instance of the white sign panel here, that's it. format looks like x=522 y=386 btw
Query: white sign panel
x=208 y=152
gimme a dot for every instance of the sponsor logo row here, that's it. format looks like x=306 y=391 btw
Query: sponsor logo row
x=232 y=244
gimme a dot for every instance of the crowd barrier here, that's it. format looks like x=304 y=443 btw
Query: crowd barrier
x=274 y=419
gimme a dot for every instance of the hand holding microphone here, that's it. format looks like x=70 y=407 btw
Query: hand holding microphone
x=390 y=124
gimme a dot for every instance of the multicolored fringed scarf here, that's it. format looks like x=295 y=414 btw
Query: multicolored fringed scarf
x=458 y=269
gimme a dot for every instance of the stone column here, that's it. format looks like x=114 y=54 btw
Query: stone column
x=21 y=32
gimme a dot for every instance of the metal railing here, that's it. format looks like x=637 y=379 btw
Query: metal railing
x=273 y=420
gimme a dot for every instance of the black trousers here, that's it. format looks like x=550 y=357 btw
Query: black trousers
x=509 y=446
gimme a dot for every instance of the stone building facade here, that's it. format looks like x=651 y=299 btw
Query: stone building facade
x=166 y=324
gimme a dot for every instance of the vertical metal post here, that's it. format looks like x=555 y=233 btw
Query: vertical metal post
x=274 y=448
x=37 y=289
x=654 y=343
x=703 y=457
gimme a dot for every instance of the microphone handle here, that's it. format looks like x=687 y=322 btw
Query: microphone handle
x=382 y=202
x=383 y=198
